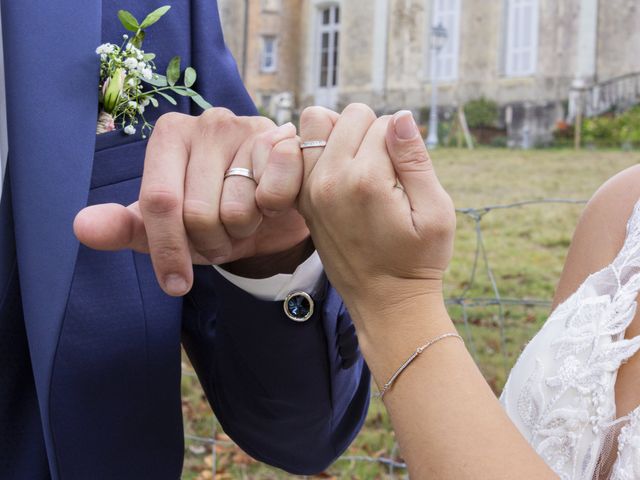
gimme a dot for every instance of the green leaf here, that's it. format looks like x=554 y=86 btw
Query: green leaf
x=201 y=102
x=173 y=71
x=153 y=101
x=181 y=91
x=157 y=80
x=154 y=16
x=128 y=21
x=189 y=77
x=168 y=98
x=185 y=92
x=148 y=57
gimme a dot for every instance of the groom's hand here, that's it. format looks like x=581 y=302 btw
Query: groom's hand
x=188 y=213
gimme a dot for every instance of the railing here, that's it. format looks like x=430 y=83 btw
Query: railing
x=616 y=94
x=389 y=462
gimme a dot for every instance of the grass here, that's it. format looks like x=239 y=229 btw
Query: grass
x=525 y=247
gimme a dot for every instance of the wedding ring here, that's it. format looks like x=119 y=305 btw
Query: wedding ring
x=240 y=172
x=313 y=144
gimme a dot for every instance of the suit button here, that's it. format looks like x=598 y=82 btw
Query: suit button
x=298 y=306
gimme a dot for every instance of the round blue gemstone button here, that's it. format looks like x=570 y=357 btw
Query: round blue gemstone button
x=298 y=306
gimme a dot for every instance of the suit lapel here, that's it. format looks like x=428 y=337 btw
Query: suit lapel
x=52 y=96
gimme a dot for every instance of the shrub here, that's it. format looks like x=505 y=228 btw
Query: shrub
x=613 y=131
x=481 y=113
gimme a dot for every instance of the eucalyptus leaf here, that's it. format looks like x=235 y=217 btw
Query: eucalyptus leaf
x=190 y=77
x=148 y=57
x=168 y=98
x=153 y=101
x=156 y=80
x=185 y=92
x=128 y=21
x=154 y=16
x=181 y=91
x=173 y=71
x=201 y=102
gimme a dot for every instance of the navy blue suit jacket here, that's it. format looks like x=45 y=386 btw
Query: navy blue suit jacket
x=89 y=344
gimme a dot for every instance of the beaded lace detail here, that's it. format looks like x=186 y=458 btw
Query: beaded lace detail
x=561 y=393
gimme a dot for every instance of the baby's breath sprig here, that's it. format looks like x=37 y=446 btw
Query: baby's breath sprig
x=129 y=84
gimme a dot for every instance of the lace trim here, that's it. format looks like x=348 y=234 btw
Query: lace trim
x=627 y=466
x=567 y=407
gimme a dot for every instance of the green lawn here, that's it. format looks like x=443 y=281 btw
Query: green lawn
x=525 y=249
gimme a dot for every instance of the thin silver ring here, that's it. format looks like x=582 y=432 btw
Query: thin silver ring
x=313 y=144
x=240 y=172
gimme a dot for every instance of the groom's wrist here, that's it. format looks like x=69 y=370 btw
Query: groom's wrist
x=266 y=266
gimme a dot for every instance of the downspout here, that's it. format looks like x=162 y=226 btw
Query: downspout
x=245 y=40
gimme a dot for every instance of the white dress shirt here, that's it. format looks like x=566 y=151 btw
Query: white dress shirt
x=305 y=278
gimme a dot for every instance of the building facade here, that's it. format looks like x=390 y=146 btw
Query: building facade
x=540 y=60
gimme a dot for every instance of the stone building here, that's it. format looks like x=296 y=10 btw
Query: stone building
x=541 y=61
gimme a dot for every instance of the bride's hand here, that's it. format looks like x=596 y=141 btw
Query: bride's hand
x=383 y=243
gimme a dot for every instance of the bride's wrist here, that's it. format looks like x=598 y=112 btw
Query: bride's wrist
x=373 y=305
x=391 y=326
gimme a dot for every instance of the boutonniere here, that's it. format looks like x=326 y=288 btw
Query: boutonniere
x=129 y=83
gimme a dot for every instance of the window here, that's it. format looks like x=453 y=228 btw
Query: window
x=522 y=38
x=329 y=46
x=271 y=6
x=265 y=101
x=447 y=12
x=269 y=58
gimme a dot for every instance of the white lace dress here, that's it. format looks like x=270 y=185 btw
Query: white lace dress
x=560 y=393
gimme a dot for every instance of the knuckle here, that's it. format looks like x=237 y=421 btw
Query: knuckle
x=261 y=124
x=168 y=123
x=288 y=150
x=359 y=109
x=213 y=119
x=275 y=197
x=364 y=186
x=168 y=253
x=236 y=214
x=311 y=116
x=159 y=200
x=199 y=216
x=414 y=158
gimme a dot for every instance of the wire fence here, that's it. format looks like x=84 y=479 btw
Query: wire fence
x=465 y=301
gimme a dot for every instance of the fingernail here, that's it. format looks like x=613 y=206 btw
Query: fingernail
x=175 y=285
x=405 y=125
x=286 y=126
x=219 y=260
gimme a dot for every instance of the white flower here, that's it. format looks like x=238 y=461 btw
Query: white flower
x=129 y=46
x=141 y=109
x=133 y=104
x=105 y=48
x=140 y=56
x=103 y=57
x=147 y=74
x=130 y=130
x=125 y=36
x=131 y=63
x=141 y=66
x=145 y=102
x=132 y=82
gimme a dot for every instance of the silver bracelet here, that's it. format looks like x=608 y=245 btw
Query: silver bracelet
x=387 y=386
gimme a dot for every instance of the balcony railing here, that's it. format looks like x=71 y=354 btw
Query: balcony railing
x=616 y=94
